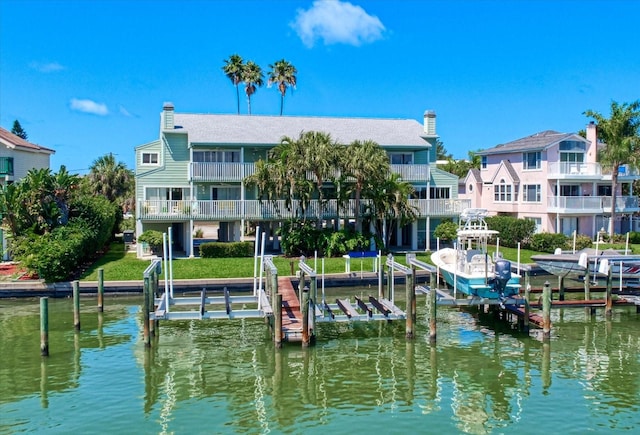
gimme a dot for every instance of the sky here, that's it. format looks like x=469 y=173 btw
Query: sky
x=88 y=78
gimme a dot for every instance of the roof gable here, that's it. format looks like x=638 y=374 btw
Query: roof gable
x=539 y=141
x=10 y=140
x=269 y=130
x=506 y=170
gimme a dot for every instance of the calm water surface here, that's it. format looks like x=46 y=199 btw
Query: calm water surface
x=226 y=376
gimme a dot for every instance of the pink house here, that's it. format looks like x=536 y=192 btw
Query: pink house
x=555 y=180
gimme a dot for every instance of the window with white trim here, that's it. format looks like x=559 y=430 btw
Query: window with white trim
x=216 y=156
x=502 y=192
x=531 y=160
x=150 y=159
x=483 y=162
x=531 y=193
x=440 y=192
x=401 y=158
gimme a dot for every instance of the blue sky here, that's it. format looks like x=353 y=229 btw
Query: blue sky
x=90 y=77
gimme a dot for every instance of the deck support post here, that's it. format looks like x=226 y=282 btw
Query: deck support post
x=76 y=305
x=305 y=316
x=609 y=300
x=277 y=335
x=145 y=310
x=44 y=326
x=546 y=311
x=100 y=290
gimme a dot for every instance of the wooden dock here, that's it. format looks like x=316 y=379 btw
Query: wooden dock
x=291 y=314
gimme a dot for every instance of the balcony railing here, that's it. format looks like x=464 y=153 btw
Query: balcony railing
x=228 y=210
x=569 y=169
x=412 y=172
x=221 y=171
x=592 y=204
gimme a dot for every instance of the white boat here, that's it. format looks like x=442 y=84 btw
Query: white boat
x=574 y=264
x=469 y=268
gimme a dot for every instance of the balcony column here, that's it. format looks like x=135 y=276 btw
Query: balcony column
x=242 y=195
x=428 y=237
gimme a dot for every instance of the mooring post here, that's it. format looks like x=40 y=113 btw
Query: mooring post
x=76 y=304
x=277 y=335
x=432 y=315
x=100 y=290
x=609 y=300
x=546 y=311
x=44 y=326
x=561 y=288
x=411 y=302
x=389 y=275
x=527 y=308
x=146 y=290
x=587 y=284
x=305 y=316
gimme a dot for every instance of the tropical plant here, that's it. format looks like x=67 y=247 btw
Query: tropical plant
x=253 y=79
x=233 y=70
x=284 y=74
x=153 y=238
x=621 y=134
x=447 y=230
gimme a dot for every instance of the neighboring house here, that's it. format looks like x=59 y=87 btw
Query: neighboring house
x=555 y=180
x=17 y=157
x=192 y=175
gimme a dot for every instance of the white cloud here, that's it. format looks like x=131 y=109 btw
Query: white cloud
x=336 y=22
x=123 y=111
x=46 y=67
x=89 y=106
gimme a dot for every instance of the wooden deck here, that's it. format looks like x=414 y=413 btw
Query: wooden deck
x=291 y=314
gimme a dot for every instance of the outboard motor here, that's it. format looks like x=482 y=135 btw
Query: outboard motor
x=503 y=275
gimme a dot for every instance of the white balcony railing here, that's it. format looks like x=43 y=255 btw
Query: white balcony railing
x=221 y=171
x=268 y=210
x=575 y=169
x=592 y=204
x=412 y=172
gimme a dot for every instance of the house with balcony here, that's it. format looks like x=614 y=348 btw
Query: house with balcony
x=17 y=157
x=555 y=180
x=193 y=175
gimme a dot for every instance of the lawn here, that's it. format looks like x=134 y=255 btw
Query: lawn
x=121 y=266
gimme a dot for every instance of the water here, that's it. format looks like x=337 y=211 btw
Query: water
x=226 y=377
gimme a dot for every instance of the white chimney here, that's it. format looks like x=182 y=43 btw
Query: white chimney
x=592 y=137
x=430 y=123
x=167 y=116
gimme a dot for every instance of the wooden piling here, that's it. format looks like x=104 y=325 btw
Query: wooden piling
x=76 y=305
x=44 y=326
x=432 y=314
x=145 y=310
x=561 y=288
x=546 y=311
x=587 y=284
x=411 y=303
x=305 y=316
x=277 y=312
x=527 y=308
x=100 y=290
x=608 y=299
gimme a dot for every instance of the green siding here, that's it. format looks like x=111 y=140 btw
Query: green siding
x=440 y=178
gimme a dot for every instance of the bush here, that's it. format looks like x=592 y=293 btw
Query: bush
x=153 y=238
x=634 y=237
x=512 y=230
x=582 y=241
x=447 y=230
x=548 y=242
x=226 y=249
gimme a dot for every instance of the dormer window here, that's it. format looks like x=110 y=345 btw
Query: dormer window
x=502 y=192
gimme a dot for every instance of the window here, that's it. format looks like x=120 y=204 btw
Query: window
x=440 y=192
x=531 y=160
x=218 y=156
x=569 y=190
x=149 y=158
x=531 y=193
x=538 y=222
x=401 y=158
x=167 y=193
x=483 y=162
x=604 y=190
x=502 y=192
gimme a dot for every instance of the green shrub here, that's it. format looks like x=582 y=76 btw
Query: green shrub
x=512 y=230
x=548 y=242
x=582 y=241
x=153 y=238
x=634 y=237
x=226 y=249
x=447 y=230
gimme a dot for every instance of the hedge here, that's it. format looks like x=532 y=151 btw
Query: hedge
x=226 y=249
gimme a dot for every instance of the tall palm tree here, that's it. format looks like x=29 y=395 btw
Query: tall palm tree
x=233 y=69
x=621 y=134
x=284 y=74
x=390 y=202
x=253 y=79
x=368 y=164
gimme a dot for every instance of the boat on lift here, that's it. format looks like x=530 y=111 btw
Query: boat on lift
x=468 y=267
x=574 y=265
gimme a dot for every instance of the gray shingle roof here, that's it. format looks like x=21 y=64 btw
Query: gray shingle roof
x=268 y=130
x=538 y=141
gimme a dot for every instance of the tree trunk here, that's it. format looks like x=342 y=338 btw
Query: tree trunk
x=614 y=186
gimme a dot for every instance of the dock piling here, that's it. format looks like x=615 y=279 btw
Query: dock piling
x=608 y=301
x=44 y=326
x=278 y=320
x=527 y=308
x=561 y=288
x=432 y=313
x=100 y=290
x=305 y=316
x=411 y=303
x=76 y=305
x=546 y=311
x=146 y=289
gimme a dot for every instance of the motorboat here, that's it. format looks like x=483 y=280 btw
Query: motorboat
x=574 y=265
x=468 y=267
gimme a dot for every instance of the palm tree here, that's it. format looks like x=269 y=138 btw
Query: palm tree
x=368 y=164
x=390 y=203
x=621 y=134
x=253 y=79
x=284 y=74
x=233 y=69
